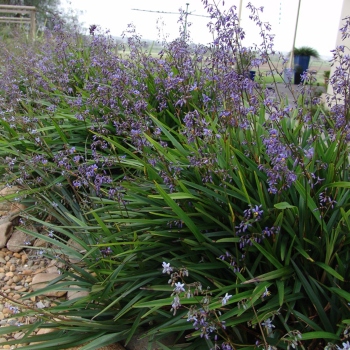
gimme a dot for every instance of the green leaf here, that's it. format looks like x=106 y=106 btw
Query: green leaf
x=331 y=271
x=313 y=297
x=182 y=215
x=102 y=341
x=310 y=202
x=268 y=256
x=344 y=294
x=282 y=272
x=319 y=335
x=175 y=196
x=280 y=289
x=164 y=129
x=284 y=205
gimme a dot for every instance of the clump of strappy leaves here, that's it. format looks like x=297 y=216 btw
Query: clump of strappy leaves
x=180 y=165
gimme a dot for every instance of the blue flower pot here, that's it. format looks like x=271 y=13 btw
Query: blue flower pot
x=252 y=74
x=301 y=65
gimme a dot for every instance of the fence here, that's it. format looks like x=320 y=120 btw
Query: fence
x=19 y=10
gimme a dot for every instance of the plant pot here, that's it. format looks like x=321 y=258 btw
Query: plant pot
x=297 y=76
x=252 y=74
x=301 y=65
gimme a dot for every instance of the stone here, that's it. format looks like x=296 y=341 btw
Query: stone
x=24 y=258
x=73 y=244
x=40 y=243
x=41 y=280
x=5 y=232
x=10 y=205
x=18 y=335
x=75 y=294
x=52 y=269
x=46 y=330
x=40 y=305
x=58 y=264
x=18 y=240
x=17 y=278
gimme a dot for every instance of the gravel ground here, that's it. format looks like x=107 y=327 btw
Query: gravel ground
x=17 y=271
x=16 y=274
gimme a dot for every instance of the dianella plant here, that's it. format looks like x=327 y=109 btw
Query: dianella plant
x=207 y=211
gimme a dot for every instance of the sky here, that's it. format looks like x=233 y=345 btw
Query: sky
x=317 y=25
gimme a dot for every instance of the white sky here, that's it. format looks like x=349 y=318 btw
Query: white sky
x=318 y=19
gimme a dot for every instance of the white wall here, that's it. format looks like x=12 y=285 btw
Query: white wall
x=344 y=13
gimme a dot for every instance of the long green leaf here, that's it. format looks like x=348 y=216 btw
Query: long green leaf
x=181 y=214
x=281 y=272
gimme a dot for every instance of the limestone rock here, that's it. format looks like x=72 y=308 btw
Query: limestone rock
x=75 y=294
x=19 y=239
x=41 y=280
x=73 y=244
x=10 y=205
x=40 y=243
x=52 y=269
x=5 y=232
x=46 y=330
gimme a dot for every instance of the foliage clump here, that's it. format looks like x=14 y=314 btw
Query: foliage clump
x=306 y=51
x=205 y=206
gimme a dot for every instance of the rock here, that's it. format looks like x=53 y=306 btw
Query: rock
x=18 y=335
x=46 y=330
x=75 y=294
x=17 y=278
x=5 y=232
x=52 y=269
x=19 y=239
x=24 y=258
x=57 y=263
x=41 y=280
x=40 y=305
x=40 y=243
x=8 y=205
x=73 y=244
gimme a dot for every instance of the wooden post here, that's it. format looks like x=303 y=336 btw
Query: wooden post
x=291 y=58
x=23 y=10
x=32 y=25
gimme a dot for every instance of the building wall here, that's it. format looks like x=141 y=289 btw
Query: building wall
x=344 y=13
